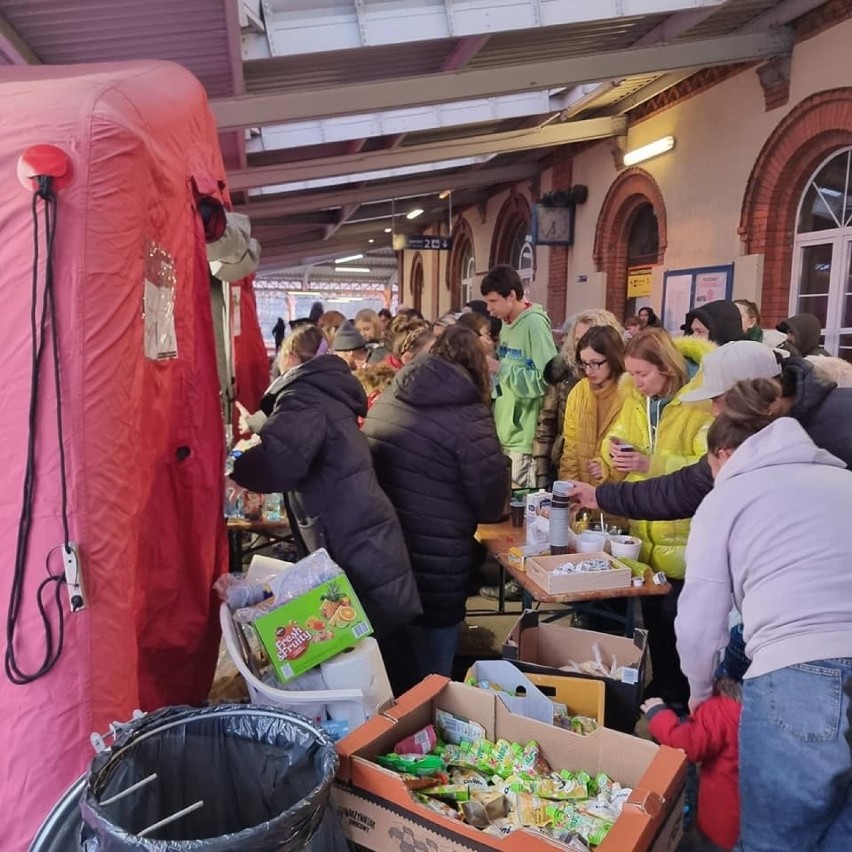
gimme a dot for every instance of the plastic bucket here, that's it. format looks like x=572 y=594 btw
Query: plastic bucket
x=262 y=777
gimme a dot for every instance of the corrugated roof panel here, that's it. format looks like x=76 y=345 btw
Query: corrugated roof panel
x=193 y=33
x=556 y=42
x=733 y=15
x=362 y=65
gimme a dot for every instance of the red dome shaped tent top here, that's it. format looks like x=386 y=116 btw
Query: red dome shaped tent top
x=143 y=434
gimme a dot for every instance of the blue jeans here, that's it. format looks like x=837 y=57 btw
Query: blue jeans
x=795 y=765
x=434 y=648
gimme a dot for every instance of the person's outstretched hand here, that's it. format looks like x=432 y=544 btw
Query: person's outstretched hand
x=583 y=495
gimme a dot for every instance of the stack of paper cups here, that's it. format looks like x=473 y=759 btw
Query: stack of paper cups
x=560 y=531
x=361 y=668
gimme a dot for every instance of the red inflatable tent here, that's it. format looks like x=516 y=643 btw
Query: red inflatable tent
x=143 y=433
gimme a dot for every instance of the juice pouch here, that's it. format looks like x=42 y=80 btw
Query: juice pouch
x=412 y=764
x=528 y=810
x=451 y=792
x=438 y=806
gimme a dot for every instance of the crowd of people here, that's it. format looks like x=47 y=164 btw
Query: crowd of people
x=724 y=448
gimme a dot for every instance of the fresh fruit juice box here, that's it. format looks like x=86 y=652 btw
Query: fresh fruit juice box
x=313 y=628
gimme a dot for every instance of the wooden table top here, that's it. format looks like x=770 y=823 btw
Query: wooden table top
x=498 y=538
x=259 y=526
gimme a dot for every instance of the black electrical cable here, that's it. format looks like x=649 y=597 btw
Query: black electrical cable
x=53 y=642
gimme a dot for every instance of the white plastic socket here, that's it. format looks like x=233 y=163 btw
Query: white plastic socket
x=73 y=577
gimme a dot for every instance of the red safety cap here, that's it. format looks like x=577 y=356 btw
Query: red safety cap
x=44 y=160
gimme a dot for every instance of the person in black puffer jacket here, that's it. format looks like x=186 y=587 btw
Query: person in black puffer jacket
x=438 y=458
x=311 y=448
x=817 y=403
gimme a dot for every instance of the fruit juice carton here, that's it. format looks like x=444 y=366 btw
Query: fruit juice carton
x=537 y=519
x=313 y=628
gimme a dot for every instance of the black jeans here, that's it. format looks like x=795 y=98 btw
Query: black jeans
x=658 y=614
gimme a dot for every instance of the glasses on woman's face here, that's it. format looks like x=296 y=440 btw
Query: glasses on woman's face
x=589 y=366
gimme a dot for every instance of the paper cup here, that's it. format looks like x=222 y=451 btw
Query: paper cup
x=625 y=545
x=590 y=542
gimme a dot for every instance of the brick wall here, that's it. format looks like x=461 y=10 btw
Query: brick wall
x=811 y=132
x=557 y=275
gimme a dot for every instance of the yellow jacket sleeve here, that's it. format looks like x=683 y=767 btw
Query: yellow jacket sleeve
x=569 y=464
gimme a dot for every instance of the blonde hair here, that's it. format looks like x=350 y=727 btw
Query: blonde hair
x=655 y=346
x=591 y=317
x=304 y=343
x=370 y=316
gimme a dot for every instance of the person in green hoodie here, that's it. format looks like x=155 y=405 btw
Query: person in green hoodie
x=525 y=348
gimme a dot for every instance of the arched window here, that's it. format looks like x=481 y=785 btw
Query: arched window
x=822 y=255
x=468 y=274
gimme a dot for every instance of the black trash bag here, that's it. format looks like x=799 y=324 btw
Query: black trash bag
x=263 y=774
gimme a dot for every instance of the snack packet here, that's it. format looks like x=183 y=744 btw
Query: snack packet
x=412 y=764
x=438 y=806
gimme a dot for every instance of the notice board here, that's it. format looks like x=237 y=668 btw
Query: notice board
x=686 y=289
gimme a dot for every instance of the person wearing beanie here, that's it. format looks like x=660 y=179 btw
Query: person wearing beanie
x=719 y=322
x=476 y=306
x=803 y=332
x=350 y=346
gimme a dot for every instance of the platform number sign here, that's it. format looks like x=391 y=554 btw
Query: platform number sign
x=425 y=242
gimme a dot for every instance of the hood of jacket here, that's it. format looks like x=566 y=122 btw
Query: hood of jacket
x=329 y=376
x=557 y=370
x=722 y=319
x=431 y=381
x=693 y=349
x=782 y=442
x=809 y=386
x=524 y=316
x=806 y=329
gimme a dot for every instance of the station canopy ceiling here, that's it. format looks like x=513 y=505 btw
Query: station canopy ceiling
x=339 y=117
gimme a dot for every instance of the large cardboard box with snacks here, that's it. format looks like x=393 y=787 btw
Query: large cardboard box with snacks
x=379 y=813
x=539 y=648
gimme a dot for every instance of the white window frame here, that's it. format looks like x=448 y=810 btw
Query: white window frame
x=840 y=240
x=468 y=277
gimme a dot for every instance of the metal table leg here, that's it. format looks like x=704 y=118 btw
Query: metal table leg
x=235 y=551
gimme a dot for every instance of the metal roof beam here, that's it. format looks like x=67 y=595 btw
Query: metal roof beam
x=299 y=28
x=277 y=107
x=412 y=188
x=488 y=144
x=13 y=47
x=298 y=134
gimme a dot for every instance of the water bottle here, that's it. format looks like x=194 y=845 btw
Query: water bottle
x=229 y=461
x=560 y=518
x=272 y=508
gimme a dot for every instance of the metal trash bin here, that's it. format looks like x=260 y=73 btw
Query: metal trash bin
x=221 y=778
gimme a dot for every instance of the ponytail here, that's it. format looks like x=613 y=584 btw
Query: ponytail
x=749 y=407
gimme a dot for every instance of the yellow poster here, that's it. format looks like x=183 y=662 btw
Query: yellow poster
x=638 y=282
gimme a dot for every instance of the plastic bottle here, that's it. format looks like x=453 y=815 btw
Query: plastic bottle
x=272 y=508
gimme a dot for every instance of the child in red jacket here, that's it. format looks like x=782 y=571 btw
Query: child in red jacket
x=709 y=737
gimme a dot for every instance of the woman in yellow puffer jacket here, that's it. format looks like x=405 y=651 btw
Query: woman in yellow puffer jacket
x=593 y=405
x=655 y=434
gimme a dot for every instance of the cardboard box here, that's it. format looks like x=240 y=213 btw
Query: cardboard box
x=534 y=693
x=517 y=556
x=313 y=628
x=379 y=813
x=538 y=648
x=541 y=571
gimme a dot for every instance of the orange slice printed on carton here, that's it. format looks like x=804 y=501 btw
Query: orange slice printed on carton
x=347 y=613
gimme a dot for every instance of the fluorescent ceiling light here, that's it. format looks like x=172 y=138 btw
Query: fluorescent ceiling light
x=444 y=194
x=371 y=240
x=388 y=230
x=348 y=258
x=352 y=269
x=653 y=149
x=417 y=211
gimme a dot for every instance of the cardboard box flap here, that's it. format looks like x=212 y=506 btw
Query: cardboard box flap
x=423 y=693
x=359 y=739
x=520 y=694
x=649 y=803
